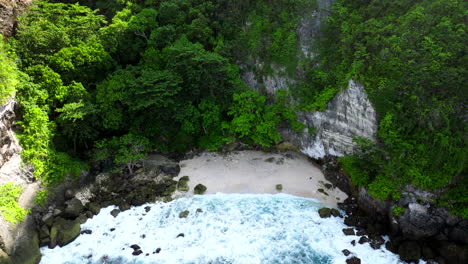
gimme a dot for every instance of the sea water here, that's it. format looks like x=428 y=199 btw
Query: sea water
x=219 y=229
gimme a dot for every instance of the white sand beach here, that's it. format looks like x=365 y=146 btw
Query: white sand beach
x=258 y=172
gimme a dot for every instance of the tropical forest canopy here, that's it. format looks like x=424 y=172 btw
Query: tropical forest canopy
x=113 y=80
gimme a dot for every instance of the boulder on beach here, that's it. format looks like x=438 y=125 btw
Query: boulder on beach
x=64 y=231
x=200 y=189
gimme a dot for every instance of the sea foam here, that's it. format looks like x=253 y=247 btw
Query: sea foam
x=229 y=228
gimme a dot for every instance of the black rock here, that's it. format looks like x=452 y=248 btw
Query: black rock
x=147 y=208
x=74 y=208
x=363 y=239
x=143 y=236
x=353 y=260
x=87 y=232
x=157 y=251
x=137 y=252
x=200 y=189
x=335 y=212
x=184 y=214
x=115 y=212
x=112 y=229
x=348 y=231
x=135 y=247
x=69 y=194
x=346 y=252
x=171 y=170
x=453 y=253
x=353 y=242
x=324 y=212
x=376 y=242
x=409 y=251
x=362 y=232
x=180 y=235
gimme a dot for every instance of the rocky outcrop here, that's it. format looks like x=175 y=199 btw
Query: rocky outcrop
x=18 y=243
x=9 y=11
x=350 y=114
x=9 y=145
x=59 y=224
x=423 y=230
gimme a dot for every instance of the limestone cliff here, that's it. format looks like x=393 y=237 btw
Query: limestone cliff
x=350 y=114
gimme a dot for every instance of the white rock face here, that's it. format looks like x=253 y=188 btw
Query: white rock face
x=9 y=145
x=350 y=114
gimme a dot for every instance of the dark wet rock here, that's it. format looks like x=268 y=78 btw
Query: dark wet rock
x=271 y=159
x=459 y=234
x=124 y=206
x=320 y=190
x=147 y=254
x=279 y=187
x=63 y=232
x=349 y=231
x=200 y=189
x=376 y=242
x=363 y=239
x=48 y=219
x=69 y=194
x=346 y=252
x=143 y=236
x=135 y=247
x=137 y=252
x=353 y=260
x=353 y=242
x=453 y=253
x=147 y=208
x=157 y=251
x=427 y=252
x=409 y=251
x=182 y=185
x=419 y=222
x=87 y=232
x=73 y=208
x=324 y=212
x=199 y=210
x=115 y=212
x=180 y=235
x=334 y=212
x=112 y=229
x=82 y=218
x=362 y=232
x=328 y=185
x=170 y=169
x=184 y=214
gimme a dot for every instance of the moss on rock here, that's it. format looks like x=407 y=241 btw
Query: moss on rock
x=200 y=189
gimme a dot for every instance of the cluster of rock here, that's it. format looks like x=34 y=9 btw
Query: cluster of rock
x=422 y=231
x=60 y=224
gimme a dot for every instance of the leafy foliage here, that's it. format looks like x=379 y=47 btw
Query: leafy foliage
x=409 y=56
x=10 y=210
x=8 y=73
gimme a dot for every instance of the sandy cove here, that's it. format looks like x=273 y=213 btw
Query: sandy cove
x=258 y=172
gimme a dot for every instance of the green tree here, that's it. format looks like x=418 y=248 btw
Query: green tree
x=126 y=150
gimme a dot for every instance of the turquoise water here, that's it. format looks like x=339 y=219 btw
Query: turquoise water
x=230 y=228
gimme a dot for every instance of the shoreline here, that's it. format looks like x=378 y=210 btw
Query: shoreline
x=256 y=172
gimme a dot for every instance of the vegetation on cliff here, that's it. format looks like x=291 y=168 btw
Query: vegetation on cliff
x=411 y=56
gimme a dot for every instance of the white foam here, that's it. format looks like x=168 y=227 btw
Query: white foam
x=233 y=228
